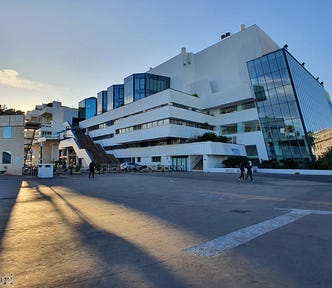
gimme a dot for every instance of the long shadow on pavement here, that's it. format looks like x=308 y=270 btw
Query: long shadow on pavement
x=9 y=188
x=116 y=258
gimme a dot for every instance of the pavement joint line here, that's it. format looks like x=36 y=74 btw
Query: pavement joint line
x=239 y=237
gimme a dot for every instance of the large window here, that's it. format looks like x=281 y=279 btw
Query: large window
x=241 y=127
x=278 y=104
x=141 y=85
x=156 y=159
x=237 y=107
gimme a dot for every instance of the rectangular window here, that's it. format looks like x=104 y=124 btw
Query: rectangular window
x=6 y=157
x=156 y=159
x=251 y=150
x=248 y=105
x=228 y=109
x=251 y=126
x=7 y=132
x=229 y=129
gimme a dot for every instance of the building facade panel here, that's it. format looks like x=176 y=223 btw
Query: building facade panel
x=11 y=144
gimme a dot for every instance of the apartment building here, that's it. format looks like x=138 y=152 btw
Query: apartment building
x=51 y=117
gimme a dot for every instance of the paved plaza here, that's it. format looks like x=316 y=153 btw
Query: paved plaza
x=167 y=229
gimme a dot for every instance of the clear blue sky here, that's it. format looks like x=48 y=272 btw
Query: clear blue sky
x=68 y=50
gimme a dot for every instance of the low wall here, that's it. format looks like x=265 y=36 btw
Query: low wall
x=273 y=171
x=295 y=171
x=224 y=170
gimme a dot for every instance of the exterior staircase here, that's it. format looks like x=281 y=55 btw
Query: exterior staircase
x=96 y=151
x=29 y=135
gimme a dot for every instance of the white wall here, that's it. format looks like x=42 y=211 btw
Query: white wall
x=13 y=145
x=216 y=149
x=220 y=72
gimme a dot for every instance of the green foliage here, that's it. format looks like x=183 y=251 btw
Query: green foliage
x=209 y=136
x=234 y=161
x=9 y=111
x=325 y=161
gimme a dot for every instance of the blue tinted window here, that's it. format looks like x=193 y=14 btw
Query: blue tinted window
x=252 y=70
x=7 y=132
x=277 y=112
x=273 y=96
x=280 y=59
x=273 y=62
x=259 y=68
x=277 y=78
x=285 y=77
x=269 y=81
x=265 y=65
x=90 y=107
x=138 y=86
x=289 y=93
x=129 y=89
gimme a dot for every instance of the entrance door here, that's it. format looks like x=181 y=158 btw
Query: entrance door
x=180 y=163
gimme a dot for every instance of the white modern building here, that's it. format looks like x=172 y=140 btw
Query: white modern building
x=44 y=144
x=244 y=87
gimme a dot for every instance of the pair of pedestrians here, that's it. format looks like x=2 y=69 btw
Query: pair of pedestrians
x=249 y=171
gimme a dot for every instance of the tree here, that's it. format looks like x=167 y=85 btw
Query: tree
x=9 y=111
x=325 y=161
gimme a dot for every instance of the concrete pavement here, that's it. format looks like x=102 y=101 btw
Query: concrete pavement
x=134 y=230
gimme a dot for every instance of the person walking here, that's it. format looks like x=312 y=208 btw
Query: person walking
x=92 y=166
x=249 y=171
x=242 y=166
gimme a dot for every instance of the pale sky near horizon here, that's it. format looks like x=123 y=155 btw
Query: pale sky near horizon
x=68 y=50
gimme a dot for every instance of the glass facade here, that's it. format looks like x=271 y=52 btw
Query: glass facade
x=115 y=96
x=87 y=108
x=102 y=102
x=289 y=102
x=313 y=99
x=141 y=85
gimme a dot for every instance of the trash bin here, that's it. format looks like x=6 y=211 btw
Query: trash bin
x=45 y=170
